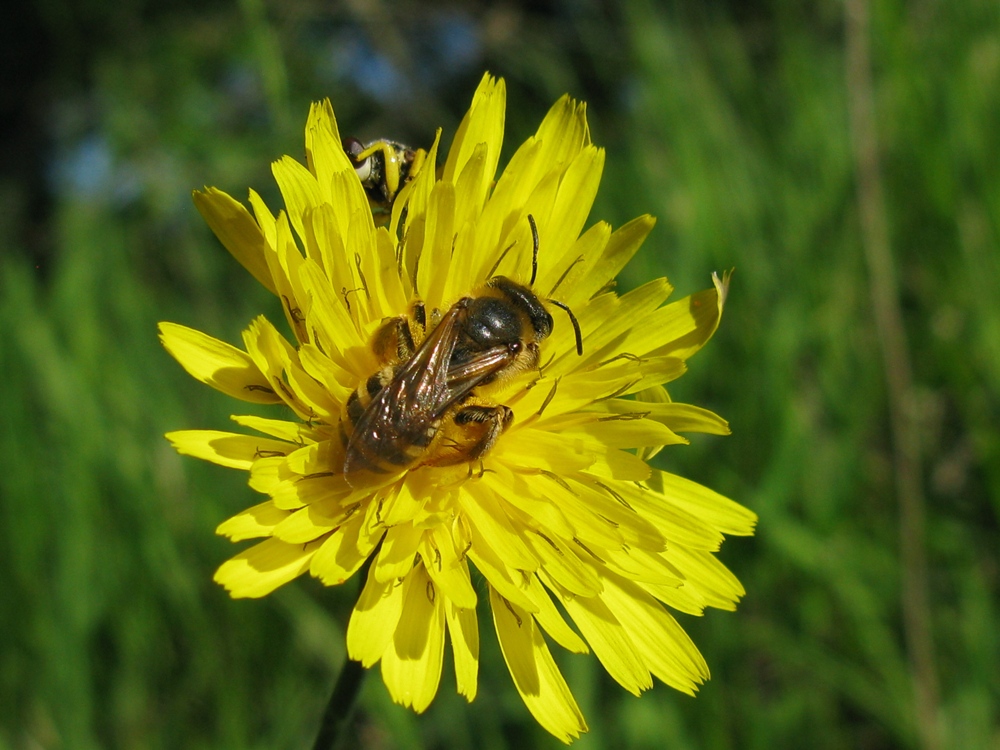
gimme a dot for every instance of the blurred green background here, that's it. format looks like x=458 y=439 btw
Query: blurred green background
x=743 y=127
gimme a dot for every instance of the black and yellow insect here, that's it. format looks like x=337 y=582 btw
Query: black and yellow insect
x=422 y=406
x=384 y=167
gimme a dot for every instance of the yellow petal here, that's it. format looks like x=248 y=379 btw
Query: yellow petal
x=563 y=131
x=708 y=505
x=326 y=242
x=299 y=189
x=542 y=450
x=266 y=474
x=550 y=618
x=562 y=563
x=667 y=650
x=675 y=523
x=402 y=506
x=414 y=199
x=293 y=432
x=272 y=355
x=467 y=252
x=399 y=547
x=616 y=377
x=607 y=325
x=343 y=552
x=284 y=264
x=237 y=231
x=470 y=187
x=506 y=206
x=446 y=568
x=590 y=526
x=374 y=620
x=324 y=151
x=688 y=418
x=295 y=490
x=362 y=251
x=463 y=627
x=488 y=517
x=314 y=460
x=331 y=378
x=615 y=430
x=483 y=123
x=439 y=234
x=226 y=448
x=218 y=364
x=535 y=673
x=542 y=158
x=611 y=644
x=619 y=465
x=686 y=324
x=622 y=245
x=602 y=497
x=675 y=416
x=306 y=524
x=252 y=523
x=684 y=598
x=339 y=334
x=411 y=666
x=521 y=493
x=568 y=271
x=510 y=583
x=637 y=564
x=703 y=571
x=512 y=253
x=265 y=219
x=261 y=569
x=577 y=190
x=394 y=295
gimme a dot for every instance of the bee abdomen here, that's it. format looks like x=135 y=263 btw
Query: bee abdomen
x=358 y=401
x=386 y=456
x=375 y=454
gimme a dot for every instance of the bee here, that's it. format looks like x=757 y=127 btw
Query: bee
x=384 y=167
x=421 y=407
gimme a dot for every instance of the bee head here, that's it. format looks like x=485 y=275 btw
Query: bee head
x=522 y=304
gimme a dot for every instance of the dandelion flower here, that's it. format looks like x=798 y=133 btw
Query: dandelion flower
x=561 y=521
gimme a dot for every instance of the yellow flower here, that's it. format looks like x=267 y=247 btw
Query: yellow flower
x=562 y=515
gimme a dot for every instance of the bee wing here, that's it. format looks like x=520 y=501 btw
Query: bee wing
x=403 y=412
x=466 y=376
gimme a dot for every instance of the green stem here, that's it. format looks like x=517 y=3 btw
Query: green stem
x=337 y=717
x=340 y=709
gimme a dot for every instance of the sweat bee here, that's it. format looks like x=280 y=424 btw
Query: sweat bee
x=421 y=406
x=384 y=167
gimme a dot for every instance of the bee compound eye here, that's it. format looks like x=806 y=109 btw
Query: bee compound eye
x=353 y=148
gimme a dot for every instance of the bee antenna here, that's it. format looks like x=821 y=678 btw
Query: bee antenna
x=534 y=250
x=575 y=322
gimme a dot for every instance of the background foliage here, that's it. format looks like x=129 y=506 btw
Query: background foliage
x=731 y=123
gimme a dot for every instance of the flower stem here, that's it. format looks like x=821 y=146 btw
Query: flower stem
x=337 y=716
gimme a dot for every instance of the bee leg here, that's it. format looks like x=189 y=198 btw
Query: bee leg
x=391 y=176
x=393 y=341
x=482 y=425
x=419 y=157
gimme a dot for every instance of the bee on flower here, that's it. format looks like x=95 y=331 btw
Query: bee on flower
x=474 y=410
